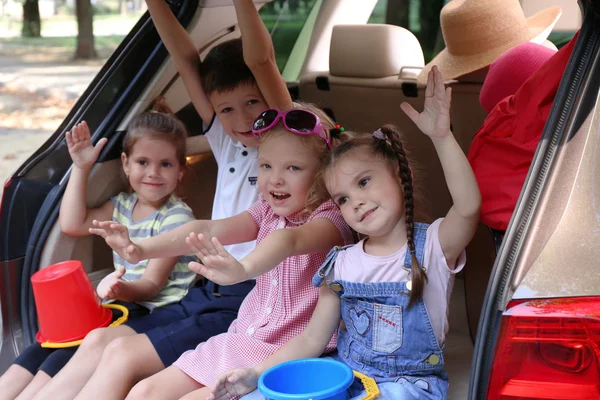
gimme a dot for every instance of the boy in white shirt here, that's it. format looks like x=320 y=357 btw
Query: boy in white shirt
x=225 y=95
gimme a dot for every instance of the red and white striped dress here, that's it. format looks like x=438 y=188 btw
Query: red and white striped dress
x=277 y=309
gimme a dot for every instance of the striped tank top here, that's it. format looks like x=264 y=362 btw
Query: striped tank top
x=172 y=214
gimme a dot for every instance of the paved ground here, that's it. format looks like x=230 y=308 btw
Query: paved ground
x=40 y=83
x=34 y=99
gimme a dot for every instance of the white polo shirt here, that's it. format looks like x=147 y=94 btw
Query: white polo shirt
x=237 y=176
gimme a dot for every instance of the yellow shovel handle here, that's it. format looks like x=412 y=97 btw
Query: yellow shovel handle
x=119 y=321
x=370 y=386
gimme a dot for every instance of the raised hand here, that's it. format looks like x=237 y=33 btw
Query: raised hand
x=434 y=121
x=117 y=237
x=235 y=382
x=111 y=285
x=217 y=264
x=79 y=143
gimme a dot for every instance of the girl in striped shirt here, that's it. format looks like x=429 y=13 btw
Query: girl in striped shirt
x=153 y=162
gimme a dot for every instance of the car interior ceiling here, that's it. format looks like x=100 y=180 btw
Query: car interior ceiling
x=359 y=103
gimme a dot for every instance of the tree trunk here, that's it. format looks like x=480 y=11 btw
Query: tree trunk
x=396 y=13
x=85 y=30
x=32 y=25
x=430 y=25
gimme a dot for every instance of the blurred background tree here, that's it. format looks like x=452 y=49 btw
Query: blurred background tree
x=32 y=24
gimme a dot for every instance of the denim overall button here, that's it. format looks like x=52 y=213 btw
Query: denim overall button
x=433 y=359
x=409 y=286
x=343 y=326
x=336 y=287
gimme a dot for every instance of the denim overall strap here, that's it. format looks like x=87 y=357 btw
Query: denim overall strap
x=419 y=238
x=327 y=265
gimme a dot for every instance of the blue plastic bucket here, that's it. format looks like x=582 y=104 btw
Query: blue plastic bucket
x=310 y=378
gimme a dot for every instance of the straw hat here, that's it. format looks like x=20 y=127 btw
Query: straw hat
x=476 y=32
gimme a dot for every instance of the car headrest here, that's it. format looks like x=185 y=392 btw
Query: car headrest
x=373 y=51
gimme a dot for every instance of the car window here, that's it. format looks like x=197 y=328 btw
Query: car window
x=285 y=20
x=422 y=17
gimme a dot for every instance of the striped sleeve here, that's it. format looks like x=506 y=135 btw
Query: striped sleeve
x=178 y=214
x=122 y=203
x=330 y=211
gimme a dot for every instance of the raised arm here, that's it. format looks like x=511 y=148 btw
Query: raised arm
x=75 y=218
x=310 y=343
x=238 y=229
x=197 y=145
x=319 y=235
x=259 y=56
x=458 y=228
x=184 y=53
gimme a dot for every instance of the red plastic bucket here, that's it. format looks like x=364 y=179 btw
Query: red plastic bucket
x=67 y=305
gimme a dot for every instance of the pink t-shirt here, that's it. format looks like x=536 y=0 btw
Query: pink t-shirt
x=277 y=309
x=354 y=265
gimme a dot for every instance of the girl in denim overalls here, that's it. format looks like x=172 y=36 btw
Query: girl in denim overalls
x=391 y=290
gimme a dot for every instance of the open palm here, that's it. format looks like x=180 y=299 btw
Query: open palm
x=235 y=382
x=217 y=264
x=79 y=143
x=434 y=120
x=117 y=237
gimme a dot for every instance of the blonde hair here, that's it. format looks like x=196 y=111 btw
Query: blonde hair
x=321 y=151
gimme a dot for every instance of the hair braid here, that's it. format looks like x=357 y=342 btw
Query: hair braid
x=418 y=275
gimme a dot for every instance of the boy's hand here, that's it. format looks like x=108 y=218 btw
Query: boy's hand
x=235 y=382
x=117 y=237
x=434 y=121
x=79 y=143
x=110 y=287
x=217 y=264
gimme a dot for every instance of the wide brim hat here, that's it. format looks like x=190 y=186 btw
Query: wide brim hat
x=476 y=32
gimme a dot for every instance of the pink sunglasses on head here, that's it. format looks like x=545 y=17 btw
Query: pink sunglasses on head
x=300 y=122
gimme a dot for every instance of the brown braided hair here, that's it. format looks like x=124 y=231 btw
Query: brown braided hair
x=393 y=152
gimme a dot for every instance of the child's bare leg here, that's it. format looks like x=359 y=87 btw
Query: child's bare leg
x=125 y=361
x=38 y=382
x=69 y=381
x=13 y=381
x=171 y=383
x=199 y=394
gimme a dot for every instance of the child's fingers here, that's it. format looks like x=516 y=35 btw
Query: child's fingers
x=196 y=267
x=103 y=224
x=429 y=87
x=120 y=272
x=193 y=242
x=438 y=82
x=448 y=99
x=208 y=245
x=69 y=138
x=220 y=250
x=410 y=111
x=100 y=145
x=118 y=227
x=99 y=232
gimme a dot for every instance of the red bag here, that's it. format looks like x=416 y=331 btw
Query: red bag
x=502 y=149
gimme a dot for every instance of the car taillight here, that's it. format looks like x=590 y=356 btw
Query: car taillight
x=548 y=349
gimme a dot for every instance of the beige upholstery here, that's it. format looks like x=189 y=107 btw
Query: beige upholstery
x=95 y=255
x=373 y=51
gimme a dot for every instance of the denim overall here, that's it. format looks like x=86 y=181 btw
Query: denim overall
x=383 y=339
